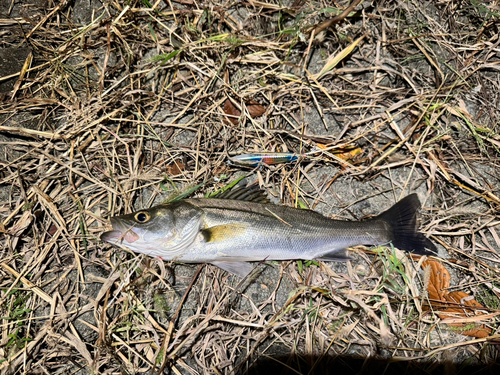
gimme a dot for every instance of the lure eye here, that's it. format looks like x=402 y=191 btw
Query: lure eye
x=142 y=217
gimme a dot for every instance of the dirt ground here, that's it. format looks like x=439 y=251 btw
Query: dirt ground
x=107 y=107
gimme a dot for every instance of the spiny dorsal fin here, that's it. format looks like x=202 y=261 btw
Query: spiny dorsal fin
x=250 y=193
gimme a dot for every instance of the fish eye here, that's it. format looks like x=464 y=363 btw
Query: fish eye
x=142 y=217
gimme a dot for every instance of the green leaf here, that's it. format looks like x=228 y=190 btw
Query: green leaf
x=300 y=266
x=185 y=194
x=302 y=205
x=152 y=32
x=166 y=57
x=227 y=187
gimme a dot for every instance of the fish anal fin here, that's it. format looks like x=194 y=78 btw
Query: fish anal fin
x=241 y=269
x=223 y=232
x=338 y=255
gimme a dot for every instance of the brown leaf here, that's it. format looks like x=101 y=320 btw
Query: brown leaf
x=451 y=307
x=231 y=110
x=253 y=107
x=478 y=331
x=439 y=280
x=52 y=230
x=176 y=168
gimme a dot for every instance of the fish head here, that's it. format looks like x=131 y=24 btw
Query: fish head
x=159 y=231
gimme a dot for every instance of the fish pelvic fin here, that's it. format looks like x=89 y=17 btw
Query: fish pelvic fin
x=339 y=255
x=241 y=269
x=402 y=220
x=224 y=232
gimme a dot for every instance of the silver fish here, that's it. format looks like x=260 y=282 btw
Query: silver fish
x=242 y=228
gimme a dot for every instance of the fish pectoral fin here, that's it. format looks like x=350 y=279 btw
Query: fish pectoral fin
x=224 y=232
x=334 y=256
x=241 y=269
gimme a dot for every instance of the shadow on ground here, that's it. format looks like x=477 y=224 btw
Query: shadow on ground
x=293 y=364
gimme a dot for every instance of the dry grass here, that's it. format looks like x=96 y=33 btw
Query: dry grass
x=122 y=105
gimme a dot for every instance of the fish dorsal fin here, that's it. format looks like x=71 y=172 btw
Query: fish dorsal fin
x=223 y=232
x=250 y=193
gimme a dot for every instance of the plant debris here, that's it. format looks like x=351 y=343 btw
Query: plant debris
x=456 y=308
x=234 y=113
x=107 y=107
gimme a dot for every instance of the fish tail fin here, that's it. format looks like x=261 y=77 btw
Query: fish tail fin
x=403 y=223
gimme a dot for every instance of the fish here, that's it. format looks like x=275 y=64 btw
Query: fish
x=241 y=226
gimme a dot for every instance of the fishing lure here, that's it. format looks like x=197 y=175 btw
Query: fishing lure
x=269 y=158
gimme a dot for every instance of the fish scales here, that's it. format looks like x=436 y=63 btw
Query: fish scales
x=281 y=233
x=229 y=232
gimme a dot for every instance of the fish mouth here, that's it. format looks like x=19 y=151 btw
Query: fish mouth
x=111 y=236
x=119 y=234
